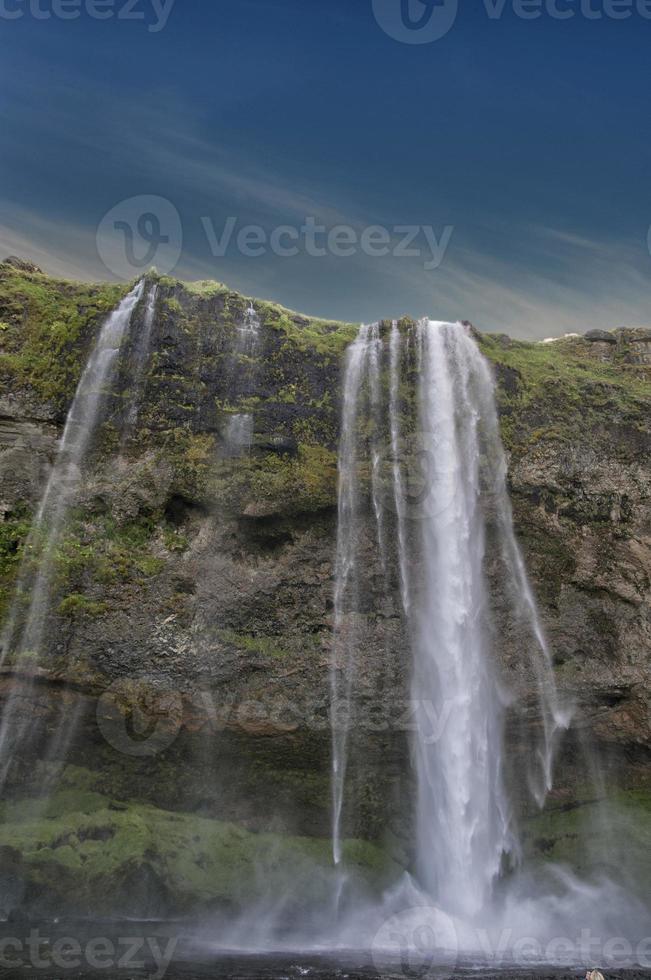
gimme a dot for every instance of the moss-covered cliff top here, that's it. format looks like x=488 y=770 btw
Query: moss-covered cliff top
x=571 y=388
x=47 y=324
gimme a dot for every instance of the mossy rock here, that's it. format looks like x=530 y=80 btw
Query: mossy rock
x=79 y=850
x=48 y=325
x=612 y=836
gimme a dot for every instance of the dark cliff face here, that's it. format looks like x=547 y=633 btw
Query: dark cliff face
x=194 y=583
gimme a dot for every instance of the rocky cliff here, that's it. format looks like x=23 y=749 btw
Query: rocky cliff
x=190 y=637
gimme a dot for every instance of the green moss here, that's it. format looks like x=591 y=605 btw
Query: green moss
x=615 y=834
x=82 y=844
x=566 y=385
x=193 y=457
x=76 y=605
x=280 y=484
x=172 y=305
x=325 y=337
x=116 y=552
x=267 y=646
x=14 y=531
x=49 y=325
x=174 y=540
x=204 y=287
x=287 y=395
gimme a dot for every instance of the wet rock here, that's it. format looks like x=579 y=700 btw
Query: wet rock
x=600 y=336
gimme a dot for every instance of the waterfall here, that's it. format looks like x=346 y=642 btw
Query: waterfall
x=141 y=350
x=23 y=634
x=396 y=470
x=462 y=825
x=436 y=541
x=248 y=332
x=238 y=432
x=346 y=597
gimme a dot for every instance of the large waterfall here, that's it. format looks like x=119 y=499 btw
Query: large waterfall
x=426 y=468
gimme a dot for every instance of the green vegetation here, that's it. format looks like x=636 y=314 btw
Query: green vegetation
x=274 y=484
x=566 y=384
x=87 y=849
x=266 y=646
x=115 y=553
x=616 y=834
x=47 y=325
x=326 y=337
x=76 y=605
x=202 y=287
x=14 y=531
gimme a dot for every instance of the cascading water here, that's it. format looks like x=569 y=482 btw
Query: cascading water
x=463 y=822
x=238 y=434
x=139 y=361
x=464 y=829
x=23 y=634
x=248 y=333
x=346 y=597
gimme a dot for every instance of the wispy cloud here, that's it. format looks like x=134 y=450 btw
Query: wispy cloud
x=527 y=280
x=60 y=248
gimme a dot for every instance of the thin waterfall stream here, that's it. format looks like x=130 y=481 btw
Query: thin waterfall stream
x=23 y=633
x=239 y=429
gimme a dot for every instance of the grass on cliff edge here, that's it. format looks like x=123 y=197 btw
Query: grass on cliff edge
x=328 y=338
x=44 y=323
x=566 y=383
x=88 y=846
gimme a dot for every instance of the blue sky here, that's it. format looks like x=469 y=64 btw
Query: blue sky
x=528 y=139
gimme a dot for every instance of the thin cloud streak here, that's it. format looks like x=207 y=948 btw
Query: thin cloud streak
x=556 y=280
